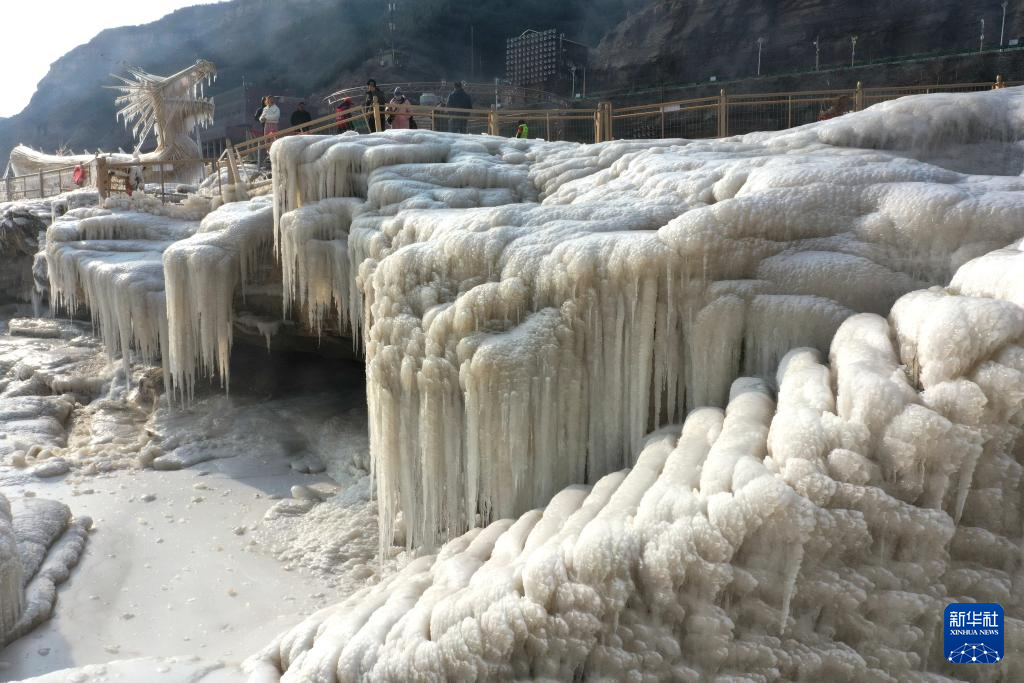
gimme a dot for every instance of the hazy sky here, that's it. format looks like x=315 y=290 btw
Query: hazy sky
x=36 y=33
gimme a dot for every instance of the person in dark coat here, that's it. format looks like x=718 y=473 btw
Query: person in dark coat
x=458 y=99
x=373 y=94
x=301 y=116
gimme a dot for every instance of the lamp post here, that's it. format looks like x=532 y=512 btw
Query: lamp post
x=817 y=51
x=853 y=49
x=1002 y=27
x=760 y=44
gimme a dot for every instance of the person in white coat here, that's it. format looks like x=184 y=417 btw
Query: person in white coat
x=270 y=116
x=136 y=180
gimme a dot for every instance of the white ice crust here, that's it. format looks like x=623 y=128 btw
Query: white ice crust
x=533 y=314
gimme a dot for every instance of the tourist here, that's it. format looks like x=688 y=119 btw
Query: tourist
x=373 y=95
x=999 y=84
x=301 y=116
x=841 y=106
x=270 y=116
x=399 y=110
x=342 y=112
x=522 y=130
x=259 y=113
x=458 y=99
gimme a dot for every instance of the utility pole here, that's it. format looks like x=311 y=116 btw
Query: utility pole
x=981 y=40
x=817 y=51
x=1002 y=27
x=572 y=69
x=853 y=49
x=760 y=44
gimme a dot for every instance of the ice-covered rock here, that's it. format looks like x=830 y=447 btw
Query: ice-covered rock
x=815 y=529
x=40 y=544
x=520 y=299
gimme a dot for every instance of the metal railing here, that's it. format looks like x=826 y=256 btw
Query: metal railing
x=703 y=117
x=42 y=184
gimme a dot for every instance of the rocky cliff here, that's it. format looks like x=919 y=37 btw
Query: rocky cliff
x=678 y=41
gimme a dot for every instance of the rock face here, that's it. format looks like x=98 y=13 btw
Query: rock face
x=19 y=232
x=678 y=41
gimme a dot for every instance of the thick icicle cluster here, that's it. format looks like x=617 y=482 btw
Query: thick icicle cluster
x=119 y=264
x=201 y=275
x=813 y=530
x=112 y=263
x=530 y=310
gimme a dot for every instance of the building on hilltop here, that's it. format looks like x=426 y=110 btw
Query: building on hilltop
x=547 y=60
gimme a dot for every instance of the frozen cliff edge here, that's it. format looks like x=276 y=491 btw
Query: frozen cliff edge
x=814 y=529
x=597 y=292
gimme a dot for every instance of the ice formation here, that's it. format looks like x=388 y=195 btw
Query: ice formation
x=813 y=530
x=533 y=313
x=522 y=299
x=39 y=545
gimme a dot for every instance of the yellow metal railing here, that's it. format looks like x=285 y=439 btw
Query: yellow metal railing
x=702 y=117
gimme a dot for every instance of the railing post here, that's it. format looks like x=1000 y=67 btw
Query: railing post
x=493 y=128
x=547 y=125
x=376 y=116
x=99 y=165
x=163 y=190
x=858 y=98
x=232 y=168
x=9 y=187
x=597 y=125
x=723 y=114
x=42 y=190
x=606 y=118
x=789 y=111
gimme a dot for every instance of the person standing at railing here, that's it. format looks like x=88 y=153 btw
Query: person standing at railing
x=270 y=116
x=373 y=94
x=301 y=116
x=841 y=106
x=341 y=112
x=399 y=110
x=522 y=130
x=458 y=99
x=259 y=113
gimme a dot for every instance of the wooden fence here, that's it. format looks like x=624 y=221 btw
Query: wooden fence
x=720 y=115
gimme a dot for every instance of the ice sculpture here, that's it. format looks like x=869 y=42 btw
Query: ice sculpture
x=172 y=107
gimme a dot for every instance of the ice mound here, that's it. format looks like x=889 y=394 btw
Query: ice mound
x=520 y=299
x=813 y=530
x=39 y=545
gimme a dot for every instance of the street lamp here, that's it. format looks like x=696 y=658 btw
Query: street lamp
x=853 y=49
x=981 y=40
x=760 y=44
x=1002 y=27
x=817 y=51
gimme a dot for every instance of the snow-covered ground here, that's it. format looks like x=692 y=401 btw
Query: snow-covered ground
x=207 y=527
x=747 y=408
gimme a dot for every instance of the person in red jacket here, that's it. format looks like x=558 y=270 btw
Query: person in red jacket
x=343 y=110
